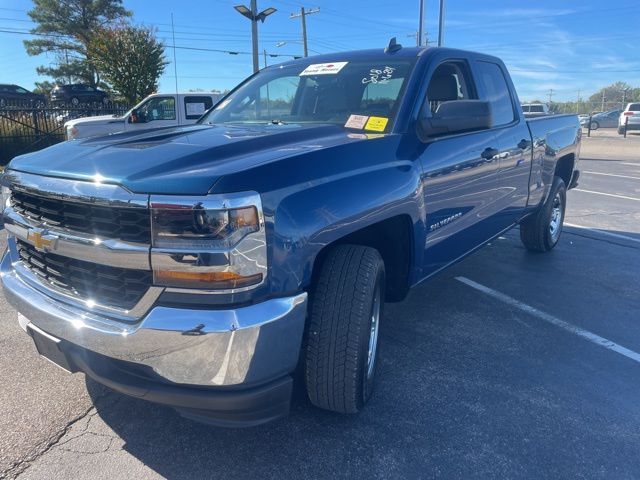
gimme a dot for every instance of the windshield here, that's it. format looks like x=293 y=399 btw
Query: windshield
x=363 y=95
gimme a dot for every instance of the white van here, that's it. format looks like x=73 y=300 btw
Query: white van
x=157 y=110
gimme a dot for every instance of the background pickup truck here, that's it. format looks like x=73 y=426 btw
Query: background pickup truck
x=156 y=111
x=201 y=267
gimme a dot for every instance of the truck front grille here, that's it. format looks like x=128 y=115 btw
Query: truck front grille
x=108 y=286
x=126 y=224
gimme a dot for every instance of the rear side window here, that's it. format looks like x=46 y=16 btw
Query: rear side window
x=634 y=107
x=196 y=105
x=496 y=93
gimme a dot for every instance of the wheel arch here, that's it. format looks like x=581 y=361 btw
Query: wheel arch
x=393 y=239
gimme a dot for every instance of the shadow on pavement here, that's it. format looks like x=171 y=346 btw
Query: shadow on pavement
x=464 y=391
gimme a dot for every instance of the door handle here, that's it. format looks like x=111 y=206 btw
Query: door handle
x=524 y=144
x=489 y=152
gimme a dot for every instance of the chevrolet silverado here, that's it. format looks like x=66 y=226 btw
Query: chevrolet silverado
x=205 y=267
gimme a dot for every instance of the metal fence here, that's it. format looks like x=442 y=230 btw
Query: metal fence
x=24 y=130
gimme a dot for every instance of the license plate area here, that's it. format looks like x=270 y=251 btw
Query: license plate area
x=48 y=347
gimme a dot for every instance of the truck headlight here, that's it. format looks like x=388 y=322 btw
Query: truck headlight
x=215 y=242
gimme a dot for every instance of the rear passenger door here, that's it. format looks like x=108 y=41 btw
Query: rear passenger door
x=194 y=107
x=459 y=175
x=513 y=140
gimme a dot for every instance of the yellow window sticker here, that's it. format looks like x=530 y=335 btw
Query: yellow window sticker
x=377 y=124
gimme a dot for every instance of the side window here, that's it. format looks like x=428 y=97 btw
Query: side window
x=497 y=93
x=196 y=105
x=450 y=81
x=158 y=108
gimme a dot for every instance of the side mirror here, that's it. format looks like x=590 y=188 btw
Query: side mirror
x=455 y=116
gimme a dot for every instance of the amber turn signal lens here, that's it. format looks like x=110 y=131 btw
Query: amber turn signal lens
x=206 y=280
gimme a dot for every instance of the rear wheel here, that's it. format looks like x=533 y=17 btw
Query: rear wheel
x=342 y=337
x=541 y=231
x=621 y=130
x=74 y=101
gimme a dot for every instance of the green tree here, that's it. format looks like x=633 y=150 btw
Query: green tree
x=616 y=92
x=64 y=29
x=130 y=59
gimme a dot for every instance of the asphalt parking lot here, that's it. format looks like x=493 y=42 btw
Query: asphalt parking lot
x=509 y=365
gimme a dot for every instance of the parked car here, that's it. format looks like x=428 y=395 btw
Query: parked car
x=78 y=94
x=629 y=118
x=602 y=120
x=531 y=110
x=157 y=110
x=197 y=266
x=11 y=94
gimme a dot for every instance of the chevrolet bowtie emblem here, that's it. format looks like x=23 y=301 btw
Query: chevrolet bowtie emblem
x=41 y=239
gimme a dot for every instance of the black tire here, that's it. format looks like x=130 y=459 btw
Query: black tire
x=595 y=125
x=74 y=101
x=105 y=100
x=536 y=232
x=3 y=103
x=621 y=130
x=349 y=290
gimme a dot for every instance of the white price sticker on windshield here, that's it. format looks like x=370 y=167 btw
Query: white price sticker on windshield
x=323 y=69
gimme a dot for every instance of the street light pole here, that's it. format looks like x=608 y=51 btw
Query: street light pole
x=254 y=35
x=441 y=25
x=253 y=15
x=420 y=24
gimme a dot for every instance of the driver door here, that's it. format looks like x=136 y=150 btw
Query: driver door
x=459 y=176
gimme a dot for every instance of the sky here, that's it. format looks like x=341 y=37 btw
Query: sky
x=572 y=48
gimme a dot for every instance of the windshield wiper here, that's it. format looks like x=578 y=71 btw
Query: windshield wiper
x=277 y=122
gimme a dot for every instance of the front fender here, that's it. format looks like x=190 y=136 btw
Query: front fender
x=318 y=197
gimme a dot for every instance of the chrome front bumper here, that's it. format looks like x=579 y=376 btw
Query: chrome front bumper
x=243 y=346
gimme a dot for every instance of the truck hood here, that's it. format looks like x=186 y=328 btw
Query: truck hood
x=179 y=160
x=99 y=120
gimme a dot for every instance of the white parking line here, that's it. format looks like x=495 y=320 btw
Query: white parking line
x=629 y=163
x=603 y=232
x=612 y=175
x=587 y=335
x=607 y=194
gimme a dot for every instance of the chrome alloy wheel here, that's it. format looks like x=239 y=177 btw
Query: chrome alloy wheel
x=555 y=224
x=373 y=336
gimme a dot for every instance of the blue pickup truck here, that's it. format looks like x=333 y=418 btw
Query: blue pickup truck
x=205 y=267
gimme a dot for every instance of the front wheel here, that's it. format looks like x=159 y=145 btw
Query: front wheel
x=595 y=125
x=75 y=101
x=342 y=335
x=541 y=231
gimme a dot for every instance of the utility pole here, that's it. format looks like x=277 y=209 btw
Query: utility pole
x=602 y=106
x=550 y=95
x=578 y=103
x=303 y=16
x=420 y=24
x=253 y=15
x=441 y=25
x=425 y=36
x=175 y=63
